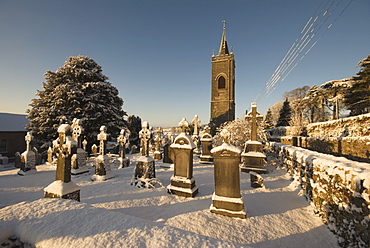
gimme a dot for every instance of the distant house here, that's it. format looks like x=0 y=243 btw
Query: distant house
x=12 y=133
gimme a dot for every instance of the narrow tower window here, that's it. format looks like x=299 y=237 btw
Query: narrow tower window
x=221 y=83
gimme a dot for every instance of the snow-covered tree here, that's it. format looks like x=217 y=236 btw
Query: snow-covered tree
x=357 y=98
x=267 y=122
x=284 y=114
x=240 y=131
x=78 y=89
x=333 y=92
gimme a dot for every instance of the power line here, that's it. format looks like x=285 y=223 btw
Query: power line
x=310 y=30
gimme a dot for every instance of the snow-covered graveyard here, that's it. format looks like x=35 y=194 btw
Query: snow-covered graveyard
x=114 y=213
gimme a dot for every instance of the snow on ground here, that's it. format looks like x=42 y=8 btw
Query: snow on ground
x=115 y=213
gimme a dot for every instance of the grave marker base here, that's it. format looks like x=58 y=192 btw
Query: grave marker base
x=182 y=186
x=232 y=207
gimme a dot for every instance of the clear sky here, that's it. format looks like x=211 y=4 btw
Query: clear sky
x=158 y=53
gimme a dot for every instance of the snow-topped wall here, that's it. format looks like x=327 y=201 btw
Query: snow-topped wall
x=338 y=188
x=349 y=137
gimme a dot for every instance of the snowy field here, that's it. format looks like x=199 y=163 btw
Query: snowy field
x=114 y=213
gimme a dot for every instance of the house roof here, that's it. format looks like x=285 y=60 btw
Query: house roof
x=13 y=122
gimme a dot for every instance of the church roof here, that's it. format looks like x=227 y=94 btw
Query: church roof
x=224 y=49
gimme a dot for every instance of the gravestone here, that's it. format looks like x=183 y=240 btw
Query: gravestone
x=64 y=147
x=253 y=158
x=195 y=122
x=28 y=158
x=4 y=160
x=256 y=180
x=50 y=156
x=206 y=141
x=94 y=150
x=145 y=165
x=226 y=199
x=18 y=160
x=183 y=182
x=158 y=145
x=167 y=150
x=123 y=160
x=37 y=155
x=102 y=162
x=79 y=159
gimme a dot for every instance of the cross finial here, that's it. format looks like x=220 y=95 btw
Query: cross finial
x=28 y=140
x=224 y=22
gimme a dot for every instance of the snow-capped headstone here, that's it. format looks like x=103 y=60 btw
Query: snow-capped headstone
x=79 y=159
x=226 y=199
x=195 y=122
x=102 y=162
x=253 y=159
x=183 y=182
x=206 y=142
x=123 y=160
x=158 y=145
x=94 y=150
x=64 y=147
x=145 y=165
x=256 y=179
x=28 y=158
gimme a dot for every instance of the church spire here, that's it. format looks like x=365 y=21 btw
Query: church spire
x=224 y=49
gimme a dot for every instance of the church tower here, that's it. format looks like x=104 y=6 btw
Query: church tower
x=223 y=83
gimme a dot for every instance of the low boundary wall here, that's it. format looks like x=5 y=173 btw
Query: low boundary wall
x=355 y=148
x=338 y=188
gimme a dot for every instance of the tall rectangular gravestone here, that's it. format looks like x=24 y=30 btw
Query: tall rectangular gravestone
x=183 y=182
x=226 y=199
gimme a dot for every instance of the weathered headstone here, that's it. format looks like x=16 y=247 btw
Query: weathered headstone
x=167 y=150
x=206 y=141
x=102 y=162
x=195 y=122
x=158 y=145
x=253 y=158
x=183 y=182
x=123 y=160
x=37 y=155
x=28 y=158
x=17 y=160
x=256 y=179
x=64 y=147
x=4 y=160
x=226 y=199
x=145 y=165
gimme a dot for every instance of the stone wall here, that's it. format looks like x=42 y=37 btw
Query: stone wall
x=338 y=188
x=348 y=137
x=356 y=126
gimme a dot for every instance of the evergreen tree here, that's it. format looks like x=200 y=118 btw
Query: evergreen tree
x=78 y=89
x=357 y=98
x=267 y=123
x=284 y=114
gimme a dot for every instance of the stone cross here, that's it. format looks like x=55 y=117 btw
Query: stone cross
x=122 y=141
x=77 y=130
x=28 y=140
x=196 y=122
x=102 y=137
x=145 y=136
x=158 y=139
x=63 y=151
x=254 y=116
x=184 y=125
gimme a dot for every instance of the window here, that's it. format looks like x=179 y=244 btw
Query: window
x=221 y=83
x=3 y=145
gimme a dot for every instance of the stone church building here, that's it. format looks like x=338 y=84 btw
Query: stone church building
x=223 y=83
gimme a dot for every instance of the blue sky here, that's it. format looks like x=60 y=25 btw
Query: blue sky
x=158 y=53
